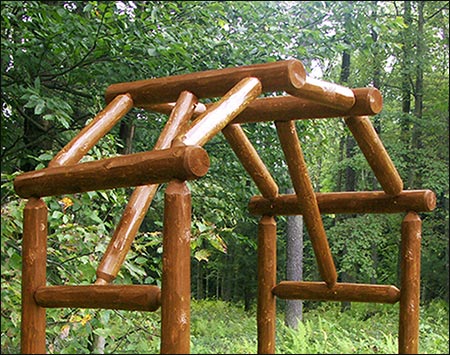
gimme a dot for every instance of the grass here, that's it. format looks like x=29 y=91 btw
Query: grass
x=219 y=327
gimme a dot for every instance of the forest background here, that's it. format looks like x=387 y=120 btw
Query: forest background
x=58 y=57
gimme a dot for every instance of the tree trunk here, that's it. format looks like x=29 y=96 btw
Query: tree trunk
x=406 y=67
x=294 y=266
x=126 y=134
x=416 y=143
x=350 y=175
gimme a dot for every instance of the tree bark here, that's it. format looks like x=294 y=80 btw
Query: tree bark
x=294 y=266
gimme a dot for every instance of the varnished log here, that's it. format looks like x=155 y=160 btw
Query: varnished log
x=348 y=202
x=408 y=339
x=217 y=116
x=176 y=288
x=168 y=107
x=267 y=271
x=277 y=76
x=124 y=297
x=91 y=134
x=250 y=159
x=368 y=102
x=307 y=198
x=152 y=167
x=325 y=93
x=34 y=264
x=142 y=196
x=375 y=153
x=342 y=292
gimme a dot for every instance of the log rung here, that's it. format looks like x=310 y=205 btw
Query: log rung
x=343 y=292
x=124 y=297
x=347 y=202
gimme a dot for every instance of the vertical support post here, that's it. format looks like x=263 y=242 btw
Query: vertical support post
x=34 y=267
x=267 y=269
x=408 y=337
x=176 y=269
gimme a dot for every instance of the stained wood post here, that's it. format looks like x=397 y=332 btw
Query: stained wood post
x=408 y=336
x=176 y=270
x=307 y=198
x=267 y=274
x=34 y=266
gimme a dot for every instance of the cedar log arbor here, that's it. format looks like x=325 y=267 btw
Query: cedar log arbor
x=178 y=156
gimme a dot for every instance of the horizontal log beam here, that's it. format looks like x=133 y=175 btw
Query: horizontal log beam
x=343 y=292
x=327 y=94
x=348 y=202
x=154 y=167
x=368 y=102
x=277 y=76
x=125 y=297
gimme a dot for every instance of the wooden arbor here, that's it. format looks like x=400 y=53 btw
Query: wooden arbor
x=178 y=156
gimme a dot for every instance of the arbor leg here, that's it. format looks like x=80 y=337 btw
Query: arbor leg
x=408 y=339
x=267 y=269
x=34 y=267
x=176 y=269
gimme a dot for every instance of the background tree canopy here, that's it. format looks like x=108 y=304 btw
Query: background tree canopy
x=58 y=57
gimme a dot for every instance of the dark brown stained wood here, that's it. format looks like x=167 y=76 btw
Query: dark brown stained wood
x=91 y=134
x=408 y=334
x=267 y=278
x=348 y=292
x=129 y=170
x=168 y=107
x=176 y=269
x=34 y=266
x=348 y=202
x=250 y=159
x=218 y=115
x=142 y=196
x=125 y=297
x=307 y=198
x=327 y=94
x=375 y=153
x=277 y=76
x=368 y=102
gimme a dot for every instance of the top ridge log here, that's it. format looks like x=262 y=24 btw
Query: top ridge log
x=284 y=75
